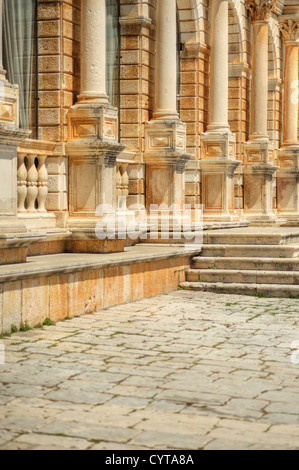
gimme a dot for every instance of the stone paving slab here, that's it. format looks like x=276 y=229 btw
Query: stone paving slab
x=187 y=370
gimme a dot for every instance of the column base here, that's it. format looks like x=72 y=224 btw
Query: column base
x=165 y=158
x=94 y=246
x=258 y=182
x=165 y=143
x=95 y=235
x=93 y=149
x=218 y=166
x=93 y=120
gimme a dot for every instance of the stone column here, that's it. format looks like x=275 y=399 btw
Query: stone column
x=259 y=82
x=93 y=140
x=166 y=61
x=165 y=135
x=290 y=33
x=258 y=151
x=219 y=67
x=93 y=51
x=218 y=159
x=288 y=155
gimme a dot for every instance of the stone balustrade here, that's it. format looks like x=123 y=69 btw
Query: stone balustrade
x=33 y=176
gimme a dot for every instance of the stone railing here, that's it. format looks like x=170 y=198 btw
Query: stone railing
x=33 y=175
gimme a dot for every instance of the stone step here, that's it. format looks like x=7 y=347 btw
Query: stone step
x=242 y=276
x=266 y=290
x=251 y=251
x=252 y=236
x=262 y=264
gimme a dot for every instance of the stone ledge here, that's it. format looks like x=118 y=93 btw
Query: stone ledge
x=68 y=285
x=67 y=263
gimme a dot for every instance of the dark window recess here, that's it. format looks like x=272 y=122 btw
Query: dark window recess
x=20 y=57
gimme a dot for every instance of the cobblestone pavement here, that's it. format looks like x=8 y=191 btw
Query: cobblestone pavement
x=181 y=371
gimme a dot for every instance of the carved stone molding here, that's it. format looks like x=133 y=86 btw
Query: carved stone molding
x=135 y=21
x=260 y=10
x=290 y=29
x=192 y=50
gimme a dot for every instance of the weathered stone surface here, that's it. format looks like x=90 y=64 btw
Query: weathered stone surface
x=183 y=371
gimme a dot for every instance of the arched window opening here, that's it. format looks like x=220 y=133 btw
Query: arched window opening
x=113 y=52
x=20 y=57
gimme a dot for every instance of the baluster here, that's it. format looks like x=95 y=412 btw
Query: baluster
x=22 y=182
x=32 y=181
x=125 y=180
x=42 y=183
x=118 y=186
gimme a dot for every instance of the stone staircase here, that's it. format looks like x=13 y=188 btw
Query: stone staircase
x=252 y=261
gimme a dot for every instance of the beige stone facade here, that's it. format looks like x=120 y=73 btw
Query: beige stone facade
x=204 y=112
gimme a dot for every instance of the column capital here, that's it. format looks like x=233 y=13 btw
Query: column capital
x=260 y=10
x=290 y=29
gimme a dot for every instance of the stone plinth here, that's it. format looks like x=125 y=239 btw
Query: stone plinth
x=218 y=165
x=93 y=121
x=288 y=184
x=85 y=242
x=258 y=178
x=14 y=246
x=93 y=150
x=165 y=158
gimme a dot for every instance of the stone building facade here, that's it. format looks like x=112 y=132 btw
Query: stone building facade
x=157 y=101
